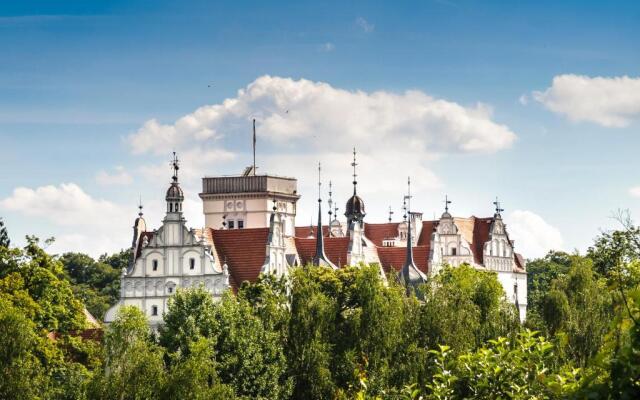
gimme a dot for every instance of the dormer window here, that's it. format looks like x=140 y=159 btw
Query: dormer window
x=154 y=265
x=232 y=224
x=192 y=263
x=240 y=224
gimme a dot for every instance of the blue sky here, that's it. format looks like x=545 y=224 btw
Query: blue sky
x=79 y=82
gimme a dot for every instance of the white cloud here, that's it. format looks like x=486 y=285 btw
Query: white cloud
x=635 y=191
x=80 y=222
x=524 y=99
x=610 y=102
x=534 y=237
x=365 y=25
x=293 y=112
x=327 y=47
x=119 y=177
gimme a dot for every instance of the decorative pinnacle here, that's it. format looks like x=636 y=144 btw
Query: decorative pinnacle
x=354 y=164
x=175 y=165
x=330 y=202
x=140 y=207
x=446 y=203
x=275 y=202
x=497 y=204
x=404 y=208
x=408 y=196
x=319 y=183
x=390 y=214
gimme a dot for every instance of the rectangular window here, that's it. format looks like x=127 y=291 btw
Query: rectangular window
x=192 y=263
x=232 y=224
x=170 y=290
x=154 y=310
x=154 y=264
x=454 y=251
x=240 y=224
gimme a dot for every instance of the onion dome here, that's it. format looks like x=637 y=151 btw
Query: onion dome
x=174 y=193
x=355 y=208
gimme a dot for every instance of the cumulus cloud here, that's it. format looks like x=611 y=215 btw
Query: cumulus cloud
x=610 y=102
x=635 y=191
x=365 y=25
x=119 y=177
x=66 y=204
x=314 y=114
x=534 y=236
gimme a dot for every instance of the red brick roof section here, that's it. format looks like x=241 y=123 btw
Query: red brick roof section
x=378 y=232
x=520 y=263
x=425 y=234
x=244 y=251
x=481 y=228
x=396 y=256
x=148 y=235
x=336 y=249
x=305 y=231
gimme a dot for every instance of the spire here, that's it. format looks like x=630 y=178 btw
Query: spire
x=354 y=164
x=174 y=196
x=320 y=259
x=410 y=275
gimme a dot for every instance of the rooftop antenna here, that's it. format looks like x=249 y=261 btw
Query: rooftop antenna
x=254 y=147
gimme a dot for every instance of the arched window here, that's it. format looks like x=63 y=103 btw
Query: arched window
x=170 y=207
x=192 y=263
x=154 y=265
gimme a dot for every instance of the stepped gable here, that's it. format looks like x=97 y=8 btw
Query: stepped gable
x=306 y=231
x=244 y=251
x=336 y=249
x=378 y=232
x=394 y=257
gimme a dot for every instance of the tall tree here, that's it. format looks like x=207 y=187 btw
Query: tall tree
x=4 y=235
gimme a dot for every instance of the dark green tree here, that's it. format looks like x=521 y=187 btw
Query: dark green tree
x=4 y=235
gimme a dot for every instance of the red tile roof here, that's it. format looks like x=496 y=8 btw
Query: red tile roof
x=378 y=232
x=304 y=231
x=481 y=227
x=396 y=256
x=336 y=249
x=244 y=251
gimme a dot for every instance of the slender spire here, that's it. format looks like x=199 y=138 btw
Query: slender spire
x=354 y=164
x=410 y=274
x=320 y=259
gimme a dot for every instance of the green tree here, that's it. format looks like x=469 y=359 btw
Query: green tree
x=133 y=364
x=4 y=235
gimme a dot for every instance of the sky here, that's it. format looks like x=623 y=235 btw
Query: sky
x=536 y=102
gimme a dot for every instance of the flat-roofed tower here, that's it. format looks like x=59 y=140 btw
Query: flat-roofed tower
x=247 y=200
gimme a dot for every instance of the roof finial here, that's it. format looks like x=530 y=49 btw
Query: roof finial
x=404 y=208
x=408 y=196
x=335 y=209
x=175 y=165
x=275 y=205
x=140 y=206
x=330 y=202
x=320 y=258
x=410 y=274
x=390 y=214
x=446 y=203
x=354 y=164
x=497 y=204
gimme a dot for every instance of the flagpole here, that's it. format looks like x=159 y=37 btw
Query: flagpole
x=254 y=147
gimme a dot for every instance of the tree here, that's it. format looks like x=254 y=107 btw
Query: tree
x=4 y=235
x=133 y=366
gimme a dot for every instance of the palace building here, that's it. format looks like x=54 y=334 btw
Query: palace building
x=251 y=230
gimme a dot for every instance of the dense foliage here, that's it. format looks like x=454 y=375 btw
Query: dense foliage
x=324 y=334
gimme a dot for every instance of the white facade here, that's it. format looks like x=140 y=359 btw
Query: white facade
x=166 y=259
